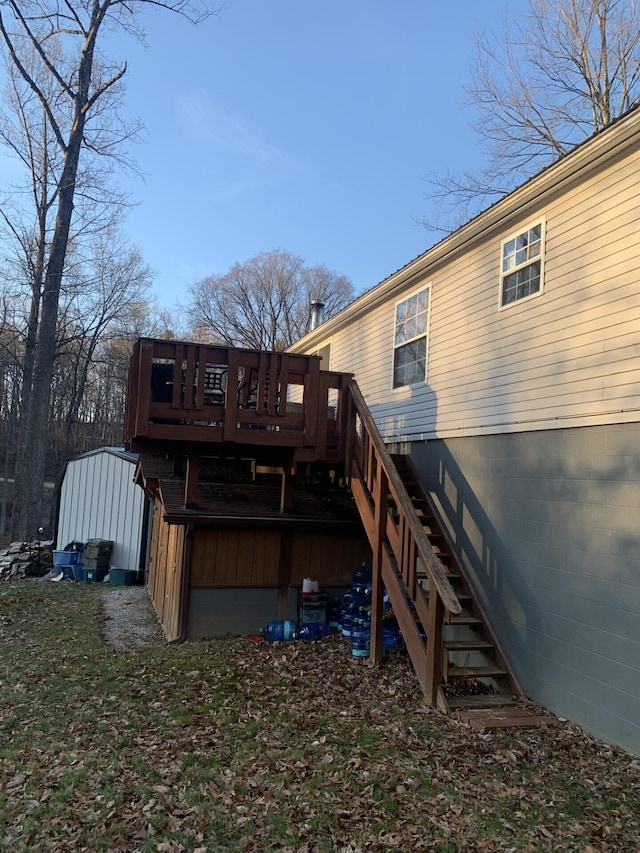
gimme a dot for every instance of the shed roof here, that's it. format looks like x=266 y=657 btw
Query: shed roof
x=120 y=452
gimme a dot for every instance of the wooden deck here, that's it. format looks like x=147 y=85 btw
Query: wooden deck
x=193 y=394
x=191 y=406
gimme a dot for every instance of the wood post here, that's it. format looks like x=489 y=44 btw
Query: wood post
x=380 y=524
x=433 y=678
x=231 y=397
x=284 y=573
x=143 y=391
x=191 y=482
x=286 y=490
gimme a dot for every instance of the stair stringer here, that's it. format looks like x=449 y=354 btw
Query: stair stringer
x=399 y=544
x=463 y=587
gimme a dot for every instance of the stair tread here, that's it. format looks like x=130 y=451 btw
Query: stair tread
x=492 y=700
x=467 y=645
x=465 y=619
x=476 y=671
x=421 y=576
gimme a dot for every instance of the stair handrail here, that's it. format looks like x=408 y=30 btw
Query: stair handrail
x=437 y=576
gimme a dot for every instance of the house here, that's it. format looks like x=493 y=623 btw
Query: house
x=505 y=362
x=99 y=500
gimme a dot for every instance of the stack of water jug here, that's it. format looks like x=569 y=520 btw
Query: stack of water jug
x=356 y=616
x=351 y=615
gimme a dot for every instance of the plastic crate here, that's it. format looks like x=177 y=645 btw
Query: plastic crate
x=122 y=577
x=96 y=548
x=95 y=575
x=96 y=562
x=78 y=572
x=65 y=558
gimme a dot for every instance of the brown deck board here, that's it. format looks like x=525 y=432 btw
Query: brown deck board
x=510 y=716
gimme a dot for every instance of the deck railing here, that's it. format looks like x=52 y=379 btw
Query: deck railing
x=400 y=547
x=195 y=392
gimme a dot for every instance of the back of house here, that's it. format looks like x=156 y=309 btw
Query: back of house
x=504 y=360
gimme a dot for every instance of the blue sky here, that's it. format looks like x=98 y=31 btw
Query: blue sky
x=298 y=125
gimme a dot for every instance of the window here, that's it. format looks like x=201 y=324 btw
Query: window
x=521 y=274
x=410 y=341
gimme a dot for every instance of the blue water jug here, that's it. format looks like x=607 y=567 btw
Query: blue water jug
x=363 y=591
x=280 y=630
x=313 y=631
x=334 y=613
x=351 y=602
x=361 y=575
x=361 y=636
x=391 y=635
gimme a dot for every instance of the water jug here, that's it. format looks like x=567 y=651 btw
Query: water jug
x=363 y=591
x=361 y=636
x=391 y=635
x=313 y=631
x=351 y=602
x=361 y=575
x=334 y=613
x=280 y=630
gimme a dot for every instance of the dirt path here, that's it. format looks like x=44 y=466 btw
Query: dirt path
x=130 y=620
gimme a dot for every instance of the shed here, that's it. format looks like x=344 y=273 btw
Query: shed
x=99 y=500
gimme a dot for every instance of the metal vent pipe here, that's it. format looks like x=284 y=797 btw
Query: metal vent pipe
x=316 y=313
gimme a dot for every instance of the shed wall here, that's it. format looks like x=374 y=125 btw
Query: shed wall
x=99 y=500
x=243 y=577
x=264 y=557
x=165 y=572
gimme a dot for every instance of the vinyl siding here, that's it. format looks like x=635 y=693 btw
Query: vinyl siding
x=568 y=357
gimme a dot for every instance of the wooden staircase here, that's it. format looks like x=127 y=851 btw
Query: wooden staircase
x=458 y=661
x=476 y=673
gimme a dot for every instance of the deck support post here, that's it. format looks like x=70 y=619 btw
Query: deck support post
x=286 y=491
x=284 y=573
x=433 y=679
x=191 y=482
x=380 y=526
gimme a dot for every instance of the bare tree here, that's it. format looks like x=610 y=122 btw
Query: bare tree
x=115 y=281
x=554 y=77
x=27 y=217
x=265 y=302
x=52 y=47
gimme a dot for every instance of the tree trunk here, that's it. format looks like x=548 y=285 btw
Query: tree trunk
x=30 y=476
x=28 y=364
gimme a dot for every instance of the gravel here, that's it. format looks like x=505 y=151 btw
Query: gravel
x=130 y=620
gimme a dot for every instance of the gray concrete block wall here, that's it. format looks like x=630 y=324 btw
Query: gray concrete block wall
x=547 y=525
x=238 y=611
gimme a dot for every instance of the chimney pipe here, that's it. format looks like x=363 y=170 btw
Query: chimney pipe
x=316 y=313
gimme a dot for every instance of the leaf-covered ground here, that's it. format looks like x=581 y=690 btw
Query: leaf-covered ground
x=234 y=746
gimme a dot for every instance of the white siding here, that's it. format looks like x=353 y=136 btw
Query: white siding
x=569 y=357
x=99 y=500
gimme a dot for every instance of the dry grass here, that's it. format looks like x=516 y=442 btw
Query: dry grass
x=232 y=746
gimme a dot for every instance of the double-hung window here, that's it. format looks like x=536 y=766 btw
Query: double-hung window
x=410 y=339
x=522 y=265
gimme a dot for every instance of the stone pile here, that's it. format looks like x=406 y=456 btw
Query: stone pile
x=26 y=559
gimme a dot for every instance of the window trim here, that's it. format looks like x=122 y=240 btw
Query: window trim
x=542 y=222
x=427 y=335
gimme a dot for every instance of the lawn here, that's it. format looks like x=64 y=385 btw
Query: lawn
x=234 y=746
